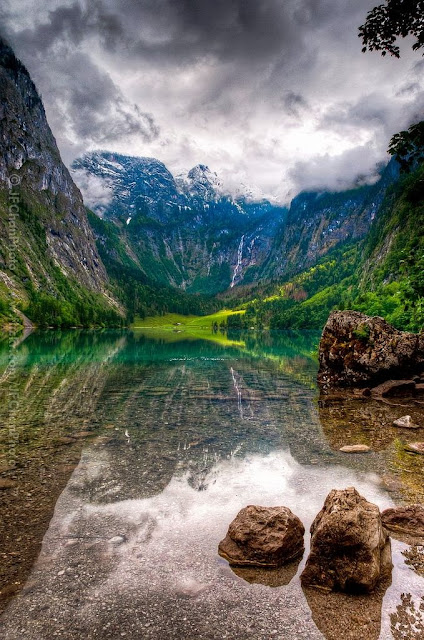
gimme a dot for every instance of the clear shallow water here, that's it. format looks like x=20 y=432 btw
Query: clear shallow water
x=177 y=437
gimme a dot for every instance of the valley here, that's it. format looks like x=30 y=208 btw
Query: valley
x=149 y=243
x=211 y=321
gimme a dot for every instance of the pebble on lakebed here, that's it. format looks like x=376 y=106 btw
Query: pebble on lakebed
x=405 y=422
x=117 y=540
x=415 y=447
x=355 y=448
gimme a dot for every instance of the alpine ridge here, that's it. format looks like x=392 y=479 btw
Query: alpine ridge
x=54 y=252
x=186 y=231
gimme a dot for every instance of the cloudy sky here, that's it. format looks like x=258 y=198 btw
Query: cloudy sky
x=272 y=94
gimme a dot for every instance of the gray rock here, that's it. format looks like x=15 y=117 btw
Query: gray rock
x=30 y=157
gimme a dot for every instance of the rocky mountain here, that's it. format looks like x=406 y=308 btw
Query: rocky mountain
x=317 y=222
x=188 y=233
x=378 y=274
x=47 y=246
x=185 y=232
x=154 y=240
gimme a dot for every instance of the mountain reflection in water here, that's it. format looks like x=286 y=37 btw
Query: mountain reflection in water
x=181 y=435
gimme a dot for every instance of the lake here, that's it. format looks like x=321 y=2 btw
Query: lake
x=125 y=456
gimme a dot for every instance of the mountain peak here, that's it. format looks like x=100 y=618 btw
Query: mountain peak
x=203 y=183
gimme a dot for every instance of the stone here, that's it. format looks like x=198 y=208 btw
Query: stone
x=263 y=537
x=361 y=351
x=415 y=447
x=350 y=549
x=409 y=520
x=355 y=448
x=394 y=389
x=5 y=483
x=405 y=422
x=65 y=440
x=117 y=540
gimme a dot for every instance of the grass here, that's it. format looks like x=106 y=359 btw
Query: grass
x=173 y=326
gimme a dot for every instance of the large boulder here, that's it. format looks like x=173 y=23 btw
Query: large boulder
x=350 y=549
x=263 y=537
x=359 y=351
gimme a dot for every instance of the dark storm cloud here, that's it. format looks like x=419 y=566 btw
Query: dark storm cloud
x=163 y=29
x=275 y=93
x=95 y=105
x=72 y=24
x=294 y=104
x=83 y=103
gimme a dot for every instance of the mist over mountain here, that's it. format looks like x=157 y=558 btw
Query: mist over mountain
x=151 y=242
x=187 y=232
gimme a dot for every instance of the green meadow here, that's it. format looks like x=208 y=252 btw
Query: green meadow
x=174 y=326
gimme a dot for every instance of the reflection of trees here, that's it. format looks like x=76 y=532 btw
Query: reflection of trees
x=53 y=384
x=187 y=405
x=48 y=390
x=407 y=622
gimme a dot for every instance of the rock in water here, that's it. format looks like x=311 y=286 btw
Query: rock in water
x=415 y=447
x=409 y=520
x=350 y=549
x=263 y=537
x=405 y=422
x=355 y=448
x=394 y=388
x=359 y=351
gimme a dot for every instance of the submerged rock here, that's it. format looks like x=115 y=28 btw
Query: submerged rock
x=415 y=447
x=409 y=520
x=405 y=422
x=350 y=549
x=355 y=448
x=394 y=389
x=263 y=537
x=359 y=351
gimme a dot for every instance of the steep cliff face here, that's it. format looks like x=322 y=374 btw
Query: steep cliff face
x=318 y=222
x=49 y=233
x=185 y=232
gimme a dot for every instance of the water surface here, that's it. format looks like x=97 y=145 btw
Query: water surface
x=141 y=451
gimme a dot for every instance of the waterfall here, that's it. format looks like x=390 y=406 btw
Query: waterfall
x=238 y=265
